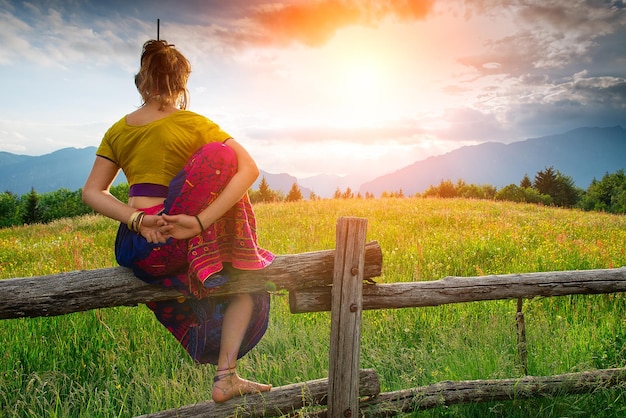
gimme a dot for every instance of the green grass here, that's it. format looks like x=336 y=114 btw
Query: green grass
x=121 y=362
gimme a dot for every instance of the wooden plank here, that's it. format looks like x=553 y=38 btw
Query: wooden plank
x=472 y=391
x=345 y=326
x=282 y=400
x=469 y=289
x=75 y=291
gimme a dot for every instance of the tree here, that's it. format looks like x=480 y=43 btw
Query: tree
x=9 y=209
x=348 y=194
x=525 y=183
x=294 y=195
x=513 y=193
x=545 y=181
x=32 y=210
x=445 y=189
x=607 y=194
x=567 y=194
x=62 y=204
x=558 y=186
x=264 y=194
x=475 y=191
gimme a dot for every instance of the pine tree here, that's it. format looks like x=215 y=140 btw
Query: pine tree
x=294 y=195
x=560 y=187
x=265 y=193
x=32 y=210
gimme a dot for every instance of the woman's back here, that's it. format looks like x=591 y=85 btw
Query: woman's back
x=148 y=113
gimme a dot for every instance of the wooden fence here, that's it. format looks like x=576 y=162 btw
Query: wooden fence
x=341 y=281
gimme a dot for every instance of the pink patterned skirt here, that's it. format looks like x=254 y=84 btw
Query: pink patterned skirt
x=195 y=267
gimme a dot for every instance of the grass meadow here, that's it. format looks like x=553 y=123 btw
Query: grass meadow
x=120 y=362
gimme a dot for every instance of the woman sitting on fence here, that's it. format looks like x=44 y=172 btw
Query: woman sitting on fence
x=187 y=215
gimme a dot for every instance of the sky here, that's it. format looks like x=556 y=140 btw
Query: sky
x=313 y=87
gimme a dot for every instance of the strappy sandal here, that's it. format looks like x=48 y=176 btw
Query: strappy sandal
x=219 y=377
x=222 y=376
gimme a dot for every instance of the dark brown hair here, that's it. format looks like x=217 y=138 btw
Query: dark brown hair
x=163 y=74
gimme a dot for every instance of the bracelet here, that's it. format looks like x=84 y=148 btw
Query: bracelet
x=135 y=220
x=129 y=224
x=199 y=223
x=139 y=220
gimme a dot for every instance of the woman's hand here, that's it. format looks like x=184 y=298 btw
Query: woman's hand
x=179 y=226
x=151 y=230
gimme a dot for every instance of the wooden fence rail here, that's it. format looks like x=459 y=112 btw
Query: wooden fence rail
x=473 y=391
x=469 y=289
x=333 y=280
x=282 y=400
x=63 y=293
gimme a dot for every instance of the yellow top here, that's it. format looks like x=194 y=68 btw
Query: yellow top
x=157 y=151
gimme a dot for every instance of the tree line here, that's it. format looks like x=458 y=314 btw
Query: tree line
x=548 y=187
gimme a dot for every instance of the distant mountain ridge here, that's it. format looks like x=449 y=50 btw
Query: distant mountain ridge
x=65 y=168
x=69 y=167
x=582 y=154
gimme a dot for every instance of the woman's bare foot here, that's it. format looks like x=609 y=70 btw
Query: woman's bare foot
x=228 y=385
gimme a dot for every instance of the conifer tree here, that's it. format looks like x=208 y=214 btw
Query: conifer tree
x=294 y=195
x=265 y=193
x=32 y=209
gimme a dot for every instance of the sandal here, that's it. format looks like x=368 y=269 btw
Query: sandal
x=222 y=376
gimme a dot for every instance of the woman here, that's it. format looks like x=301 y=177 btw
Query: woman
x=187 y=215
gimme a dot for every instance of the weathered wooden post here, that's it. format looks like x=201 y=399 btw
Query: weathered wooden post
x=345 y=327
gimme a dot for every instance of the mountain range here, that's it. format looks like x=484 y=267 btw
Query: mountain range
x=583 y=154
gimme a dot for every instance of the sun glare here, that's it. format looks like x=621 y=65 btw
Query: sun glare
x=359 y=89
x=367 y=76
x=362 y=79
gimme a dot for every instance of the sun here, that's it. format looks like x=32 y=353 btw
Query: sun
x=359 y=88
x=363 y=79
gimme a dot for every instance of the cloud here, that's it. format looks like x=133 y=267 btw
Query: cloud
x=400 y=131
x=561 y=65
x=51 y=37
x=313 y=23
x=549 y=35
x=578 y=100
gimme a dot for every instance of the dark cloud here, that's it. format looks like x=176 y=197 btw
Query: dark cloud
x=581 y=101
x=552 y=35
x=563 y=66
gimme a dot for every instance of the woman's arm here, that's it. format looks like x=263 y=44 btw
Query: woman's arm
x=182 y=227
x=96 y=194
x=96 y=191
x=237 y=187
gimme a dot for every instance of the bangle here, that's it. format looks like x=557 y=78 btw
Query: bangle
x=129 y=224
x=135 y=220
x=138 y=221
x=199 y=223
